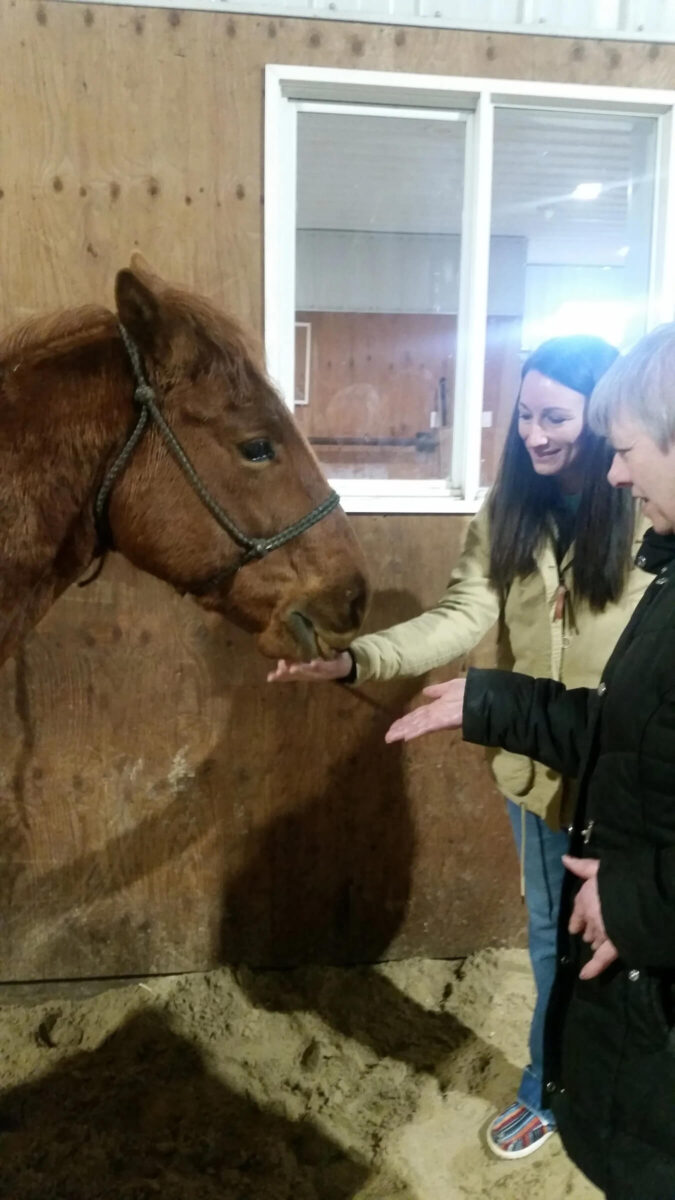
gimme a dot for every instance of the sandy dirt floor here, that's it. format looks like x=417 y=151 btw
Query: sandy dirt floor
x=315 y=1084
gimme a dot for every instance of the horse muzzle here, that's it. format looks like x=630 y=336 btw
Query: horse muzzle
x=330 y=620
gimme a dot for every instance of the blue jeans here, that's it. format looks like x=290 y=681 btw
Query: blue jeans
x=544 y=873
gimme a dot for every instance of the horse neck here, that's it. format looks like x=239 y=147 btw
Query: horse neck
x=60 y=418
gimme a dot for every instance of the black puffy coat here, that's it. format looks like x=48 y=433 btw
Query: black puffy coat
x=610 y=1044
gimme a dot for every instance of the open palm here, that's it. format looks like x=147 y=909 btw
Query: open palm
x=444 y=712
x=318 y=670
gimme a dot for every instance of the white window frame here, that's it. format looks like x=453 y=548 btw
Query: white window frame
x=290 y=89
x=306 y=325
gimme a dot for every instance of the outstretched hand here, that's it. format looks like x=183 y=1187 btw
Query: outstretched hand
x=316 y=671
x=445 y=712
x=586 y=916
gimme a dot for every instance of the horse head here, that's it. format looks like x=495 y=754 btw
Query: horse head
x=306 y=595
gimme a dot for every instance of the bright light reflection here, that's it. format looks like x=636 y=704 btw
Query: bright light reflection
x=586 y=191
x=607 y=319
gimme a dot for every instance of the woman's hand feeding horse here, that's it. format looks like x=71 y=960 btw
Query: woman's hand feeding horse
x=155 y=433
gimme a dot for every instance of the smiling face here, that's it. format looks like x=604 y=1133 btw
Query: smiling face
x=640 y=464
x=551 y=424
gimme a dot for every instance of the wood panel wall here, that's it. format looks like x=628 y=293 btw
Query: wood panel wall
x=500 y=388
x=160 y=807
x=378 y=374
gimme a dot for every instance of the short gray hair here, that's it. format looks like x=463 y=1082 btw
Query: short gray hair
x=640 y=384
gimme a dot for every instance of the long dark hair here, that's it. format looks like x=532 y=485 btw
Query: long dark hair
x=522 y=504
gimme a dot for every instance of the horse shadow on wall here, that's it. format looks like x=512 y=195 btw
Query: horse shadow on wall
x=327 y=880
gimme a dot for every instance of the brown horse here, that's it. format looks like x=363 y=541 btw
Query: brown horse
x=156 y=433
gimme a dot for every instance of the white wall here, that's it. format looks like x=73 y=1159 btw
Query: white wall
x=347 y=271
x=638 y=20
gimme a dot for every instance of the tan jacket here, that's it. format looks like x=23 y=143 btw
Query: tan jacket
x=573 y=649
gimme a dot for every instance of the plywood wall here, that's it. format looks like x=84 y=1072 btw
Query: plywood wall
x=160 y=807
x=378 y=375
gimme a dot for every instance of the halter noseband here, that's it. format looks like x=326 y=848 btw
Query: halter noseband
x=252 y=547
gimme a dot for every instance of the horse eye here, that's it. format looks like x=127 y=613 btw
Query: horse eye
x=258 y=450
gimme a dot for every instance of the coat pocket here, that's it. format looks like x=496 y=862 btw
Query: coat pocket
x=514 y=773
x=657 y=1012
x=666 y=995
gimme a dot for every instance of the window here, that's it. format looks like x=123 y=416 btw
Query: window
x=422 y=235
x=571 y=233
x=378 y=233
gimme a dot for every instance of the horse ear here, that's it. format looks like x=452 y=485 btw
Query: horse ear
x=140 y=264
x=138 y=309
x=145 y=272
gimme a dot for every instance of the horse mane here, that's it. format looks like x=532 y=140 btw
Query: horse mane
x=68 y=329
x=56 y=333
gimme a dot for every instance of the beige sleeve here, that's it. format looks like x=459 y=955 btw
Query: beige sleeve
x=468 y=609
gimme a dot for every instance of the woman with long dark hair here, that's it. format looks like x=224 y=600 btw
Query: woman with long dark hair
x=548 y=558
x=568 y=487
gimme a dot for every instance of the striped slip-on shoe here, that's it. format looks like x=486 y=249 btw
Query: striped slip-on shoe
x=517 y=1132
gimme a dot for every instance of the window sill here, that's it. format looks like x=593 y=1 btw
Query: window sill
x=403 y=496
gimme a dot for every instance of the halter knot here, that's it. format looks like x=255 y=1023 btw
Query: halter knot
x=144 y=394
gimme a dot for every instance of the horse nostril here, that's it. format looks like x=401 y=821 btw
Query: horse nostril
x=357 y=598
x=337 y=613
x=357 y=609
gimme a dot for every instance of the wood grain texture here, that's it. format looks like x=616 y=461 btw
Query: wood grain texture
x=502 y=380
x=160 y=807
